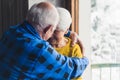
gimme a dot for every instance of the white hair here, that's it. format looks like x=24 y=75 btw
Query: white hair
x=65 y=19
x=43 y=16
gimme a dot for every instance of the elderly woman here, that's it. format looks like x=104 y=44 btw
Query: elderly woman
x=61 y=43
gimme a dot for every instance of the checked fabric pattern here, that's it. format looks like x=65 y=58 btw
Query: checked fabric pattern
x=24 y=55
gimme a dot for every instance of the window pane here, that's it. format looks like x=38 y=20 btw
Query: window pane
x=105 y=20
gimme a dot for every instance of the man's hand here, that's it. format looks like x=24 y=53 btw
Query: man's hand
x=75 y=39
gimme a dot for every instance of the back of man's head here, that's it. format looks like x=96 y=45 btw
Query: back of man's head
x=43 y=14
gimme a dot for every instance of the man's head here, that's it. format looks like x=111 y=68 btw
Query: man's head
x=44 y=18
x=64 y=23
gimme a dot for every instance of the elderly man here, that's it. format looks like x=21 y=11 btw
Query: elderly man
x=26 y=55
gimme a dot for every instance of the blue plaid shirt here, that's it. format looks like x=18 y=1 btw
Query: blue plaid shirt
x=24 y=55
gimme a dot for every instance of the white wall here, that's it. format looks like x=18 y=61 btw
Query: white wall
x=31 y=2
x=54 y=2
x=84 y=32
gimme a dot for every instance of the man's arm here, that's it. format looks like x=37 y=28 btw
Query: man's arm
x=80 y=65
x=63 y=67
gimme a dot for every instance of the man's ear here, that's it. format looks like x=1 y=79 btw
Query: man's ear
x=48 y=28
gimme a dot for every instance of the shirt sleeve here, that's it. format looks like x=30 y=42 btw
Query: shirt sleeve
x=59 y=66
x=68 y=34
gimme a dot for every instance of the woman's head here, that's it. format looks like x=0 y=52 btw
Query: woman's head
x=65 y=19
x=64 y=23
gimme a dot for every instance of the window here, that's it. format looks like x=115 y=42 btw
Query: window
x=73 y=7
x=105 y=39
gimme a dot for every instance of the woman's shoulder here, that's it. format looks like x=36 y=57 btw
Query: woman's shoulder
x=70 y=41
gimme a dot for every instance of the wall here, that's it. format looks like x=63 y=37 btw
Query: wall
x=55 y=2
x=84 y=32
x=12 y=12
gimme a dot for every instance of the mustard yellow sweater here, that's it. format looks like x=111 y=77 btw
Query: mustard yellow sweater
x=71 y=52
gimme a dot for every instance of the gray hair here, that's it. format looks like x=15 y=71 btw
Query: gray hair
x=65 y=19
x=43 y=15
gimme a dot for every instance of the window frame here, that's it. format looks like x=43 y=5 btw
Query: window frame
x=73 y=7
